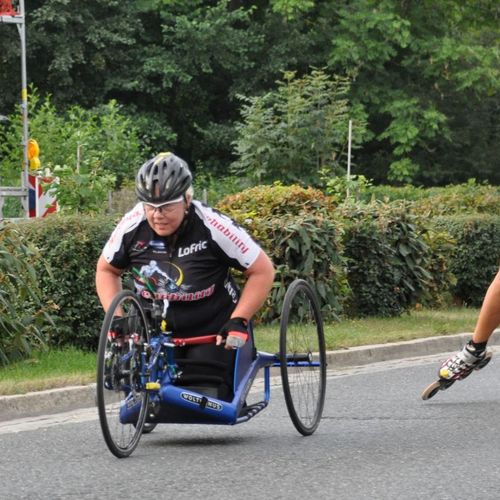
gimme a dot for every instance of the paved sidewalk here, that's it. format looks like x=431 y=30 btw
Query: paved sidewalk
x=70 y=398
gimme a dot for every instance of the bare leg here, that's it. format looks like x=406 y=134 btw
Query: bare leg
x=489 y=316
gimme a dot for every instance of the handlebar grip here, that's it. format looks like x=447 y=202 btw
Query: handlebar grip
x=204 y=339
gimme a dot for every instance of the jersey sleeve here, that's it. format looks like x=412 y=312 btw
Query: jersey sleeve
x=234 y=242
x=115 y=251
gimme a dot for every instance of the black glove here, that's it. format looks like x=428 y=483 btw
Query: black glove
x=235 y=331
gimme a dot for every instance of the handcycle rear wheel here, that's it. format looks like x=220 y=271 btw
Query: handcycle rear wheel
x=119 y=386
x=303 y=356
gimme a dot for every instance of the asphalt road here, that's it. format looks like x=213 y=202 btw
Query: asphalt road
x=377 y=440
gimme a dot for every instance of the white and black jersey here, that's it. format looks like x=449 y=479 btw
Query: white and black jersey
x=191 y=269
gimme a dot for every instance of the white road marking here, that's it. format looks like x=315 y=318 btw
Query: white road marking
x=34 y=423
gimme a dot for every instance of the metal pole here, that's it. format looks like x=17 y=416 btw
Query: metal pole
x=349 y=156
x=18 y=18
x=24 y=105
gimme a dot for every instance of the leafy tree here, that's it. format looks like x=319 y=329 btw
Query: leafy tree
x=99 y=140
x=299 y=129
x=83 y=54
x=80 y=189
x=177 y=66
x=291 y=8
x=83 y=50
x=426 y=73
x=207 y=45
x=423 y=70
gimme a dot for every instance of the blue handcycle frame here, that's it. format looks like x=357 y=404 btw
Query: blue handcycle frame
x=159 y=374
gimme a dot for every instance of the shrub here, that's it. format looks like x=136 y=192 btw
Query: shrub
x=440 y=286
x=80 y=190
x=469 y=197
x=363 y=259
x=71 y=246
x=294 y=226
x=306 y=247
x=275 y=200
x=102 y=139
x=388 y=193
x=386 y=257
x=475 y=258
x=24 y=317
x=459 y=199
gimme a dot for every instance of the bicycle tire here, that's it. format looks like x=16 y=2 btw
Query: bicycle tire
x=118 y=375
x=302 y=356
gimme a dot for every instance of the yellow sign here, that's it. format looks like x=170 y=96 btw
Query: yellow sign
x=33 y=153
x=33 y=149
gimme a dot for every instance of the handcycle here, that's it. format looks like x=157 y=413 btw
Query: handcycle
x=141 y=381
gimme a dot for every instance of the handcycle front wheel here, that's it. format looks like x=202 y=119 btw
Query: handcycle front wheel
x=121 y=400
x=303 y=356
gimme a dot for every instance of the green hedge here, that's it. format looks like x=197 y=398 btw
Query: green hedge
x=70 y=245
x=469 y=197
x=475 y=258
x=440 y=286
x=295 y=227
x=387 y=259
x=262 y=202
x=363 y=259
x=306 y=247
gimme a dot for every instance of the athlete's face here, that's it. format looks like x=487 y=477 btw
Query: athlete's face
x=165 y=219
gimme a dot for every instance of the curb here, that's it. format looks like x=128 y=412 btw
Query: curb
x=362 y=355
x=34 y=404
x=53 y=401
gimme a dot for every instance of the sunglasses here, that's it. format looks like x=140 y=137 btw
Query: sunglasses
x=168 y=206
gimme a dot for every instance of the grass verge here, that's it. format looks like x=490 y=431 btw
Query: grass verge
x=60 y=368
x=48 y=370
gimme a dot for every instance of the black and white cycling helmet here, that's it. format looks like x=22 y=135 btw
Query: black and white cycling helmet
x=164 y=178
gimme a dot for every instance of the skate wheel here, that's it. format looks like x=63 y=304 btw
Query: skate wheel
x=485 y=361
x=431 y=390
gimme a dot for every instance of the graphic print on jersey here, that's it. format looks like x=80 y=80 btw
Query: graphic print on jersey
x=166 y=281
x=153 y=278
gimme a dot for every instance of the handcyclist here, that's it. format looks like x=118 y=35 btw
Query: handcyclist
x=182 y=251
x=473 y=354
